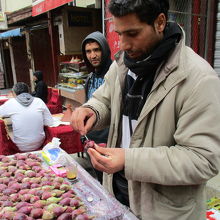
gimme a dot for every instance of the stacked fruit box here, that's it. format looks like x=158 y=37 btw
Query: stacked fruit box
x=30 y=190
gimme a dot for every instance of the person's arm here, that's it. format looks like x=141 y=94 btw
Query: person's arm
x=193 y=160
x=83 y=119
x=108 y=160
x=48 y=119
x=5 y=109
x=39 y=92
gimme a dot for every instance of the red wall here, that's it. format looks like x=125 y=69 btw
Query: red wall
x=111 y=36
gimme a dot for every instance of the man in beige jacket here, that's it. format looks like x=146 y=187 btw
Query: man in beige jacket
x=162 y=102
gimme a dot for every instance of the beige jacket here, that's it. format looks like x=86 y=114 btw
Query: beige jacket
x=175 y=147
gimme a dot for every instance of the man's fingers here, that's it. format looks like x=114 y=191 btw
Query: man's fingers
x=77 y=121
x=99 y=161
x=89 y=122
x=97 y=165
x=82 y=120
x=102 y=150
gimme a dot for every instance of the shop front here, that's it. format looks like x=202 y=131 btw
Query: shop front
x=51 y=42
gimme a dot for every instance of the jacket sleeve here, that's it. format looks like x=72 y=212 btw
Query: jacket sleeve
x=5 y=109
x=48 y=119
x=196 y=156
x=39 y=91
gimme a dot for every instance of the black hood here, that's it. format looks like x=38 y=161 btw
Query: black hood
x=106 y=53
x=39 y=75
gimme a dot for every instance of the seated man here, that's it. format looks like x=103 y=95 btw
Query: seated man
x=29 y=115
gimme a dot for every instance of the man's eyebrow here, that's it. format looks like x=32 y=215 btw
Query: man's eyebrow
x=96 y=48
x=127 y=31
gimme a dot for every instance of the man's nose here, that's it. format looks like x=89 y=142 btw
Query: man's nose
x=125 y=44
x=93 y=54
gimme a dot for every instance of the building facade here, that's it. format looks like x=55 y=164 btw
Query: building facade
x=197 y=17
x=40 y=36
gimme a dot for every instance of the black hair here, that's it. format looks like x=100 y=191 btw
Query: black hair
x=146 y=10
x=39 y=75
x=20 y=88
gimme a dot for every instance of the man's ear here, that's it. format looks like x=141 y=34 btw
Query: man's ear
x=160 y=23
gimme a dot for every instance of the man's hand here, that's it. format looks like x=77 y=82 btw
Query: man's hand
x=109 y=160
x=82 y=119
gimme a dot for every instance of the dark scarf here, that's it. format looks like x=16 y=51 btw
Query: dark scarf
x=135 y=93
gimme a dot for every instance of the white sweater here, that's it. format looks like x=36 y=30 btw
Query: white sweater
x=27 y=122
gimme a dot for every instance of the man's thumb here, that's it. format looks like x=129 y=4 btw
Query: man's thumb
x=101 y=150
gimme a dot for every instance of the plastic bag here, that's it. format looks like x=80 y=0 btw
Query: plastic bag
x=53 y=154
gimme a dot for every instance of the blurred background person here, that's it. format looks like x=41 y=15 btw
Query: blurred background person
x=40 y=86
x=29 y=115
x=97 y=56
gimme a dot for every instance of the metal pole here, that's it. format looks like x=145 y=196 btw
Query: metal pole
x=12 y=62
x=53 y=47
x=103 y=17
x=4 y=66
x=211 y=24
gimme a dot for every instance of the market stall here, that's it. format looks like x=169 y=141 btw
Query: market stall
x=32 y=189
x=72 y=77
x=61 y=128
x=70 y=139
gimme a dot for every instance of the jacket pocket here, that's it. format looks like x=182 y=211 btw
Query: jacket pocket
x=165 y=208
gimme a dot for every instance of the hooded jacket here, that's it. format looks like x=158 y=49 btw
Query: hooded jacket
x=40 y=87
x=96 y=77
x=29 y=115
x=106 y=54
x=25 y=99
x=174 y=148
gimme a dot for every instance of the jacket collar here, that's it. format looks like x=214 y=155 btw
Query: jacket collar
x=165 y=69
x=166 y=78
x=122 y=69
x=173 y=62
x=163 y=75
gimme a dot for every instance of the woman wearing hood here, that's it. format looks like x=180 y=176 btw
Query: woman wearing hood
x=40 y=86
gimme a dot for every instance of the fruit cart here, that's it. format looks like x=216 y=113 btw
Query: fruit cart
x=30 y=189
